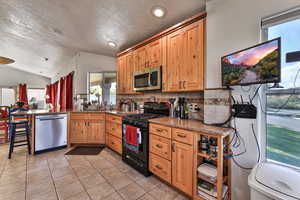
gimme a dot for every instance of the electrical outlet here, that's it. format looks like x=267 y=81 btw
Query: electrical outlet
x=193 y=107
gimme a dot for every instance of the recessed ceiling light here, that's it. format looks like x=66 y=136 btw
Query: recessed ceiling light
x=158 y=11
x=111 y=44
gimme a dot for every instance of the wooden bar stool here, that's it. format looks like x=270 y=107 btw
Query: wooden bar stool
x=19 y=127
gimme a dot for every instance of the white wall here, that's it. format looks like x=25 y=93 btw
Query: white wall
x=83 y=63
x=12 y=77
x=233 y=25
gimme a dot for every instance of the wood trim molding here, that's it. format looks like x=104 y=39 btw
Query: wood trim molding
x=180 y=25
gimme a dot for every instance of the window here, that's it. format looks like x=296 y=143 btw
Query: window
x=102 y=87
x=283 y=99
x=8 y=96
x=36 y=96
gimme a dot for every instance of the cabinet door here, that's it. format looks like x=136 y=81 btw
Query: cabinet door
x=175 y=60
x=140 y=58
x=154 y=54
x=78 y=132
x=120 y=74
x=128 y=76
x=182 y=167
x=192 y=73
x=96 y=131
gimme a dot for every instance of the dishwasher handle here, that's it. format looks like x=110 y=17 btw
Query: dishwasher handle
x=53 y=118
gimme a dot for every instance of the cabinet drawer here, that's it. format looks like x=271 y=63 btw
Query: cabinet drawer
x=115 y=143
x=163 y=131
x=79 y=116
x=160 y=146
x=160 y=167
x=183 y=136
x=114 y=129
x=115 y=119
x=99 y=116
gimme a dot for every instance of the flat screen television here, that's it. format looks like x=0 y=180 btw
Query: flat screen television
x=255 y=65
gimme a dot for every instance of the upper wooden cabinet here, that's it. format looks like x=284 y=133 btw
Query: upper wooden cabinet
x=125 y=71
x=149 y=55
x=180 y=52
x=185 y=61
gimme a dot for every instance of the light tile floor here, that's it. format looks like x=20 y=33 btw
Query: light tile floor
x=55 y=176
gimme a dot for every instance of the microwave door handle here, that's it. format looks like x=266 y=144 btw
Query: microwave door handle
x=149 y=79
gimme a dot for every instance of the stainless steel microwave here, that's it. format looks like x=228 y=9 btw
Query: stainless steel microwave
x=147 y=79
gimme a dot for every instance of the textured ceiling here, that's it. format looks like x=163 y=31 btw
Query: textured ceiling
x=31 y=30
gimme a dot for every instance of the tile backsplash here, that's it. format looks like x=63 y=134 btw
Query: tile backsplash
x=191 y=97
x=214 y=104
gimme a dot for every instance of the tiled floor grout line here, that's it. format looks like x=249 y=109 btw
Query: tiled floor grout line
x=105 y=177
x=27 y=157
x=85 y=189
x=52 y=179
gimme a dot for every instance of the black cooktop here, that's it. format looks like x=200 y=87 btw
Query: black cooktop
x=143 y=116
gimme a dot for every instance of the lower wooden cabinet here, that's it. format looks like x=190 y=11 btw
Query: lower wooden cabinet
x=114 y=143
x=182 y=167
x=94 y=128
x=78 y=131
x=113 y=129
x=172 y=158
x=87 y=128
x=160 y=167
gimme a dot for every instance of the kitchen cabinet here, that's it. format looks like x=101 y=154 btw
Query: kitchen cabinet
x=125 y=71
x=94 y=127
x=78 y=131
x=149 y=55
x=185 y=62
x=172 y=156
x=113 y=129
x=87 y=128
x=182 y=167
x=175 y=60
x=140 y=58
x=180 y=52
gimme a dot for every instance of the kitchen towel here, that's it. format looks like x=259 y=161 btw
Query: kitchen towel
x=131 y=135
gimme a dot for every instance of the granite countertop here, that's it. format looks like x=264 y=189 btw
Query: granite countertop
x=192 y=125
x=49 y=112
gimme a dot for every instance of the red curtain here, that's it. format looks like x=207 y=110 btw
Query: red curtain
x=53 y=97
x=69 y=91
x=23 y=93
x=62 y=93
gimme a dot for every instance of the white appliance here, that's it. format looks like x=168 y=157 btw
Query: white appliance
x=270 y=181
x=50 y=131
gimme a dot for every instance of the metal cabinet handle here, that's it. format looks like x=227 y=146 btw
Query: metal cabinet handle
x=159 y=146
x=173 y=147
x=182 y=136
x=183 y=84
x=158 y=167
x=159 y=130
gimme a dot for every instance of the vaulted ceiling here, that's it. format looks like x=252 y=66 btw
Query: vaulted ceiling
x=32 y=30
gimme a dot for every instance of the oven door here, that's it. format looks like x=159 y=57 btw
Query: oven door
x=141 y=150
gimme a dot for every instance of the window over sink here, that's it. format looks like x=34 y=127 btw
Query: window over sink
x=102 y=87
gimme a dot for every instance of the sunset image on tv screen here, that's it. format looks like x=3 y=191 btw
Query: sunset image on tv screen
x=259 y=64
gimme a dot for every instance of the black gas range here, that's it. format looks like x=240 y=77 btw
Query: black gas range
x=137 y=156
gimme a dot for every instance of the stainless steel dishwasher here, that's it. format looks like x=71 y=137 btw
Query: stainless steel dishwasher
x=50 y=132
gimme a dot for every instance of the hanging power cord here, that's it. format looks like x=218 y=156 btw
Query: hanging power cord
x=258 y=150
